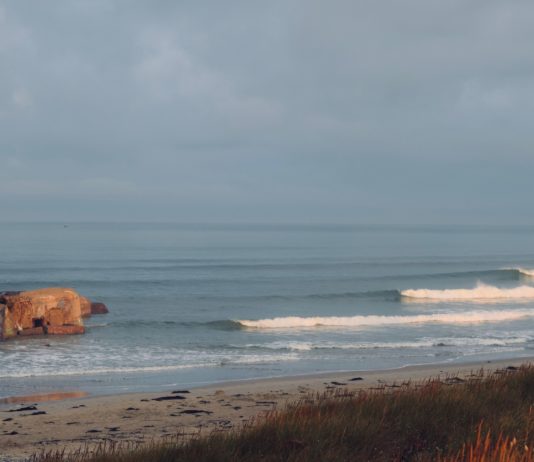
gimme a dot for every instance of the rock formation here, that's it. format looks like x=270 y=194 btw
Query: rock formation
x=52 y=311
x=89 y=308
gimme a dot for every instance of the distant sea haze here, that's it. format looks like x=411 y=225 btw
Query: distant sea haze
x=196 y=304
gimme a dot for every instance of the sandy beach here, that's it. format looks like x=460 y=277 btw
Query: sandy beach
x=50 y=422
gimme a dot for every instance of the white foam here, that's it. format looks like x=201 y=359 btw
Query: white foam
x=526 y=272
x=97 y=371
x=374 y=320
x=479 y=293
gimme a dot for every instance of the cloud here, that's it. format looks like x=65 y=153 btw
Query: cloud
x=21 y=98
x=55 y=186
x=370 y=110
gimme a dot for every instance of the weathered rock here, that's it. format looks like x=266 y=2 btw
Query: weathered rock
x=52 y=310
x=99 y=308
x=65 y=330
x=85 y=306
x=32 y=331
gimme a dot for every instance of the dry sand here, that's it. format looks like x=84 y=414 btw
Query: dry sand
x=76 y=421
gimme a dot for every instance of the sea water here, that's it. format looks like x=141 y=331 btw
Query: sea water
x=199 y=304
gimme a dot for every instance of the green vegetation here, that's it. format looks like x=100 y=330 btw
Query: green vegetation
x=486 y=418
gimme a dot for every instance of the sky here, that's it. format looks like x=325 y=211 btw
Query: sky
x=346 y=111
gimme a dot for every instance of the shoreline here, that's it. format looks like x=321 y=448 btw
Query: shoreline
x=29 y=425
x=90 y=392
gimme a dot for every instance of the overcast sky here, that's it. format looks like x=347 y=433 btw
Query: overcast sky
x=356 y=111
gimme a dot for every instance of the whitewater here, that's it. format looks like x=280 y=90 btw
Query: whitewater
x=360 y=321
x=197 y=304
x=479 y=293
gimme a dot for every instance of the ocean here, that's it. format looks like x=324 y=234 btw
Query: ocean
x=199 y=304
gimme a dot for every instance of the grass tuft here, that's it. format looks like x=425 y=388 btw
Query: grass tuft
x=483 y=419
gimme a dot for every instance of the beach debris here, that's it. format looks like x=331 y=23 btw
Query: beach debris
x=195 y=411
x=132 y=409
x=9 y=419
x=183 y=392
x=355 y=379
x=25 y=408
x=168 y=398
x=339 y=384
x=94 y=430
x=37 y=413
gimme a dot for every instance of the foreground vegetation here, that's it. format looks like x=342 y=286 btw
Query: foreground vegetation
x=486 y=418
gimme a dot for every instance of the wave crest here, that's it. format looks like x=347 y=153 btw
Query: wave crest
x=525 y=272
x=375 y=320
x=480 y=292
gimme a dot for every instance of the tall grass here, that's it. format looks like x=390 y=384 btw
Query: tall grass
x=486 y=418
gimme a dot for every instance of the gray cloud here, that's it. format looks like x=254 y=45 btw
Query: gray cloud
x=368 y=111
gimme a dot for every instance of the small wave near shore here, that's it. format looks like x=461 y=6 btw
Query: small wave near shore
x=478 y=316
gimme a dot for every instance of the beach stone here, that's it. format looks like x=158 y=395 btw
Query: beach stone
x=99 y=308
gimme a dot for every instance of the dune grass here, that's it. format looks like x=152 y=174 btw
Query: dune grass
x=485 y=418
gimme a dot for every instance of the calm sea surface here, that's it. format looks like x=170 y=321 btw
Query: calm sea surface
x=195 y=304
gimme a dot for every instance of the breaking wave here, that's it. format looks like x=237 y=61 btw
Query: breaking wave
x=375 y=320
x=524 y=271
x=480 y=292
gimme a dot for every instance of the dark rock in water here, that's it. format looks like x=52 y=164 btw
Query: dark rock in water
x=99 y=308
x=168 y=398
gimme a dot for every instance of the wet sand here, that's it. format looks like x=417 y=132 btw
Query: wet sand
x=56 y=422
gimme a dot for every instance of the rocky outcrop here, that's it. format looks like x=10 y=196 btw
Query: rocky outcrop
x=52 y=311
x=89 y=308
x=85 y=306
x=99 y=308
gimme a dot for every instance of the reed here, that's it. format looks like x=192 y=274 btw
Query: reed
x=488 y=417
